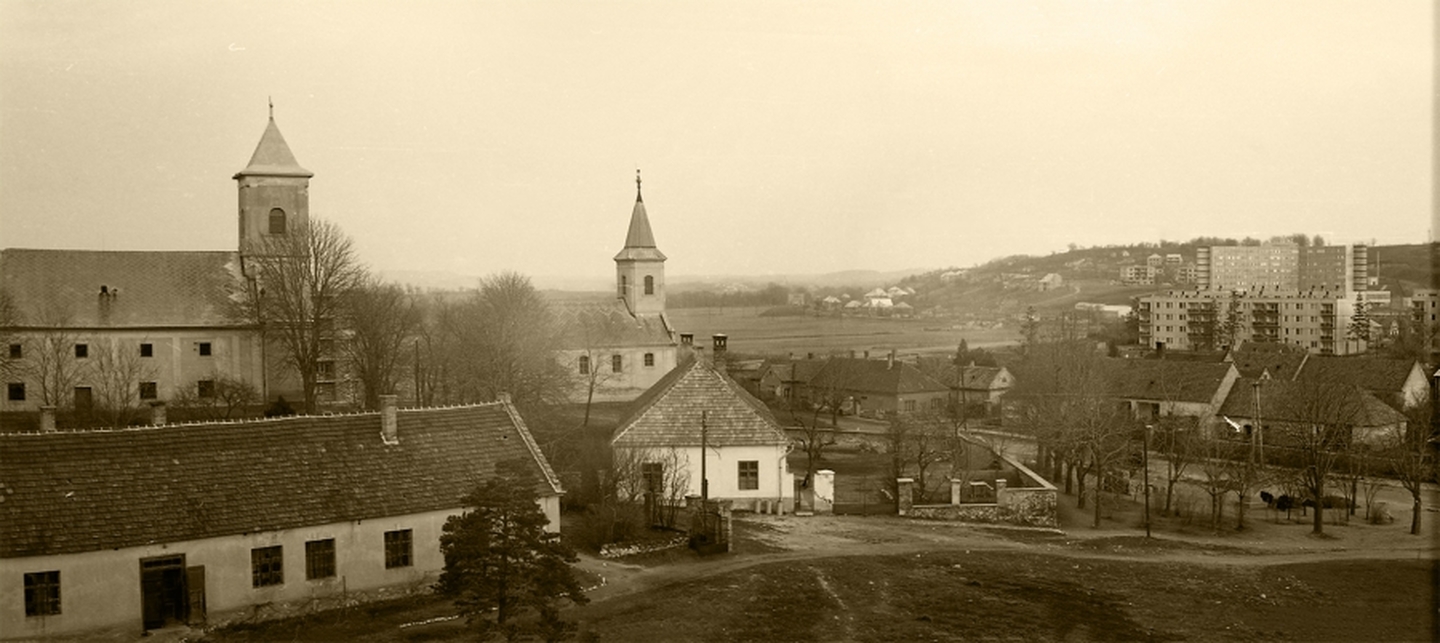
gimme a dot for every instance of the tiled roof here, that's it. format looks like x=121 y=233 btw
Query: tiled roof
x=1148 y=379
x=971 y=377
x=874 y=376
x=639 y=240
x=668 y=414
x=609 y=325
x=1376 y=374
x=272 y=157
x=73 y=492
x=1297 y=402
x=1282 y=361
x=155 y=288
x=795 y=371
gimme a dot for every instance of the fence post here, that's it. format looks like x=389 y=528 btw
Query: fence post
x=905 y=496
x=955 y=491
x=823 y=487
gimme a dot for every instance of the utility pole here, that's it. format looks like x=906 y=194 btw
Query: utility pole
x=1145 y=458
x=704 y=481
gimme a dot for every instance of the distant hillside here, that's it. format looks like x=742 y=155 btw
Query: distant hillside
x=1008 y=285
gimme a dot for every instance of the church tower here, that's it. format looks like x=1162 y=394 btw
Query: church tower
x=640 y=266
x=274 y=192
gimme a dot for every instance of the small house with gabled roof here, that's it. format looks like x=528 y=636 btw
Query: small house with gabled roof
x=877 y=387
x=744 y=447
x=114 y=531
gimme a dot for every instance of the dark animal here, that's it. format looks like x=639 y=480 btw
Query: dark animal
x=1268 y=497
x=1285 y=504
x=1328 y=502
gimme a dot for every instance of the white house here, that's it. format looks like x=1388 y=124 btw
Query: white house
x=104 y=533
x=744 y=454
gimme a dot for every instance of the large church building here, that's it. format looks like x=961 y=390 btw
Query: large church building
x=96 y=328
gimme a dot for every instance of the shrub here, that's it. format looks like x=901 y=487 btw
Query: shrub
x=609 y=523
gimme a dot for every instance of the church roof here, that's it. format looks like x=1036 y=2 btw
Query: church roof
x=639 y=240
x=72 y=492
x=609 y=325
x=668 y=414
x=144 y=289
x=272 y=157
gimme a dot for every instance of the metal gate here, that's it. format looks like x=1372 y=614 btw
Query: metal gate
x=864 y=495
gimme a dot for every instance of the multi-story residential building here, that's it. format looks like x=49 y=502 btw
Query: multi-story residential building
x=1282 y=267
x=1202 y=320
x=1137 y=275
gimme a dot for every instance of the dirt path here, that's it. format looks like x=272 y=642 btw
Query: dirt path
x=811 y=538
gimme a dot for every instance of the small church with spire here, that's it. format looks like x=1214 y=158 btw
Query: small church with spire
x=619 y=348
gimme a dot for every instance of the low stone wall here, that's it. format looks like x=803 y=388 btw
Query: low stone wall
x=1032 y=503
x=620 y=549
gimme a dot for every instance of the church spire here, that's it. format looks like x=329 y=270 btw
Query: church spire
x=639 y=240
x=637 y=186
x=272 y=156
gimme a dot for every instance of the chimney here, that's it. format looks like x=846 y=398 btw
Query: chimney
x=47 y=419
x=389 y=431
x=687 y=339
x=890 y=361
x=718 y=340
x=502 y=397
x=157 y=414
x=867 y=354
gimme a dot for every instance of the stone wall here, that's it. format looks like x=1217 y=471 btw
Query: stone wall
x=1031 y=503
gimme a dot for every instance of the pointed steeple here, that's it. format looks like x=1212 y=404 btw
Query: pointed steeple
x=272 y=156
x=639 y=240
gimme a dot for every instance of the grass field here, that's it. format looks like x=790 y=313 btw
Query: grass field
x=751 y=334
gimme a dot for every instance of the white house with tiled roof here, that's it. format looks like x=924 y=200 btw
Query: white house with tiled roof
x=745 y=448
x=162 y=316
x=106 y=534
x=620 y=348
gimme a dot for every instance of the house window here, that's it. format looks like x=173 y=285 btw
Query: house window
x=148 y=391
x=649 y=359
x=42 y=593
x=17 y=351
x=325 y=369
x=909 y=406
x=267 y=566
x=649 y=285
x=205 y=388
x=624 y=283
x=320 y=559
x=325 y=391
x=584 y=364
x=16 y=392
x=653 y=474
x=397 y=549
x=615 y=363
x=147 y=350
x=82 y=351
x=204 y=349
x=277 y=221
x=749 y=475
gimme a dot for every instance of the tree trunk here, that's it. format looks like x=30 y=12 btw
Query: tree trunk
x=1415 y=520
x=1319 y=524
x=1079 y=487
x=1169 y=493
x=1097 y=504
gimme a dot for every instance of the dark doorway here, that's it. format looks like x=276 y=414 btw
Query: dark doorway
x=164 y=595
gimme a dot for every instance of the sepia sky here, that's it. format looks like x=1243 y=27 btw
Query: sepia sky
x=774 y=137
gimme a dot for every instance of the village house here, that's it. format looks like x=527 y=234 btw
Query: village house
x=876 y=388
x=698 y=404
x=110 y=532
x=1284 y=409
x=781 y=379
x=621 y=347
x=1154 y=388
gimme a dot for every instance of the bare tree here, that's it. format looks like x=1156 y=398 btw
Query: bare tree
x=813 y=438
x=294 y=289
x=381 y=320
x=1318 y=421
x=50 y=360
x=117 y=371
x=915 y=443
x=506 y=341
x=1410 y=455
x=1178 y=441
x=9 y=334
x=228 y=398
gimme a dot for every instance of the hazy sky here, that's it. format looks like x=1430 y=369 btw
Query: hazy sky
x=774 y=137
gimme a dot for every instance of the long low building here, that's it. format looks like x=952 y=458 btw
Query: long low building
x=1316 y=321
x=108 y=532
